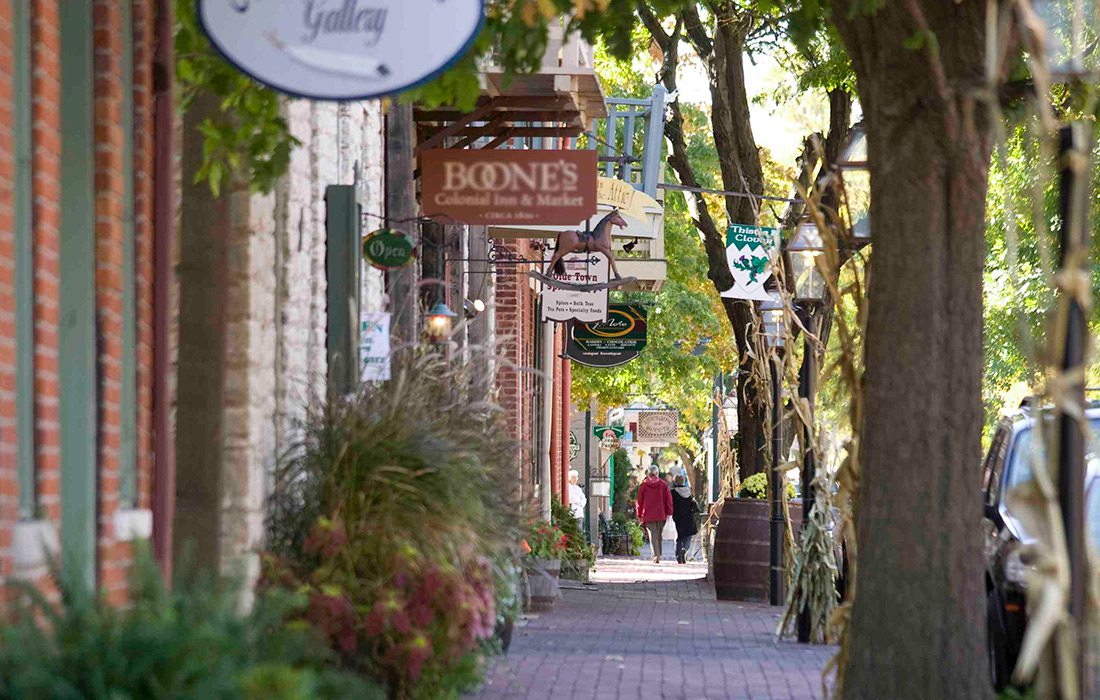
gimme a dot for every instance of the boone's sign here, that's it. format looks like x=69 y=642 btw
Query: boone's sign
x=553 y=188
x=341 y=49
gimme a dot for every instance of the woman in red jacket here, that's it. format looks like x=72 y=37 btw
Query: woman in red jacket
x=653 y=507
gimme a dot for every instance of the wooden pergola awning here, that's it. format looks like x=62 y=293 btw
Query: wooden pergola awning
x=499 y=119
x=561 y=99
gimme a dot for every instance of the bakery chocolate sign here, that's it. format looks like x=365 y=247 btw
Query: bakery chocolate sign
x=609 y=343
x=509 y=187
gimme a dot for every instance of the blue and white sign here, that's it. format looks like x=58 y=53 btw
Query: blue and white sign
x=341 y=49
x=374 y=346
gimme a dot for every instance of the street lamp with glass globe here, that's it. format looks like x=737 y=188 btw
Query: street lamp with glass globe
x=804 y=250
x=438 y=323
x=772 y=314
x=854 y=174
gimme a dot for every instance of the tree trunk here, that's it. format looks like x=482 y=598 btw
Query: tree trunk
x=739 y=161
x=918 y=619
x=203 y=346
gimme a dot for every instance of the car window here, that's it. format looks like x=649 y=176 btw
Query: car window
x=1027 y=451
x=995 y=465
x=1093 y=514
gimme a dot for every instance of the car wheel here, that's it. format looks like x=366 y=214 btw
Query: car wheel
x=996 y=643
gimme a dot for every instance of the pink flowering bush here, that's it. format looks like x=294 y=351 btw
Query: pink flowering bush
x=393 y=524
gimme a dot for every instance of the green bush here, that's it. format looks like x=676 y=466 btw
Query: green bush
x=624 y=489
x=392 y=519
x=189 y=642
x=626 y=527
x=756 y=486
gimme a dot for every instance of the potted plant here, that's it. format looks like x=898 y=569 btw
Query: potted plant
x=545 y=544
x=508 y=602
x=579 y=556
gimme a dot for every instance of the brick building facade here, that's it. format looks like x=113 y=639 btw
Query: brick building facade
x=520 y=381
x=76 y=285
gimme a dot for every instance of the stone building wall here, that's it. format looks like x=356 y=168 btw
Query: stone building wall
x=275 y=312
x=281 y=304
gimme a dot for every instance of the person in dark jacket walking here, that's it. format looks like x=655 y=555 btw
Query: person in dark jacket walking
x=653 y=507
x=683 y=514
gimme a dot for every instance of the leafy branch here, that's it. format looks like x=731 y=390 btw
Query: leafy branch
x=250 y=141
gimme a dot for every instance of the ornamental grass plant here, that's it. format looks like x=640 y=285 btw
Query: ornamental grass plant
x=393 y=516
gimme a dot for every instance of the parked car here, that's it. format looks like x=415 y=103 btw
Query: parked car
x=1008 y=464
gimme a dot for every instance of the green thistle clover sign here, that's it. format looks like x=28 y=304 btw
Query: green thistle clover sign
x=748 y=251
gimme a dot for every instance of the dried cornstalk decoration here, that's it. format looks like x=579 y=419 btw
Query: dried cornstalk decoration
x=1049 y=648
x=725 y=462
x=846 y=272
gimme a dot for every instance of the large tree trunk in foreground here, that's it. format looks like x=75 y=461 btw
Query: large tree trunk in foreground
x=917 y=627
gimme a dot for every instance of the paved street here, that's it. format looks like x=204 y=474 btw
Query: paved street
x=648 y=631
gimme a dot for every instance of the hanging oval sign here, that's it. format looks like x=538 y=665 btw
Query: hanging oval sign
x=387 y=249
x=341 y=49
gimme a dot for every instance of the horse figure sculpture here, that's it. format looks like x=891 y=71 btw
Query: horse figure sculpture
x=599 y=240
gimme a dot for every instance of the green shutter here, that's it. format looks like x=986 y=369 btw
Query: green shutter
x=24 y=261
x=77 y=360
x=342 y=261
x=127 y=458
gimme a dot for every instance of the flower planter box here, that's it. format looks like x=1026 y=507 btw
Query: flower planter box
x=542 y=582
x=575 y=570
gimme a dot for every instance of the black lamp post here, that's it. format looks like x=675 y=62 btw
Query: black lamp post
x=809 y=290
x=1069 y=32
x=772 y=313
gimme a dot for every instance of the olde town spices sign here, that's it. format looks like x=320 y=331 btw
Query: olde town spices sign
x=552 y=188
x=341 y=49
x=609 y=343
x=564 y=304
x=387 y=249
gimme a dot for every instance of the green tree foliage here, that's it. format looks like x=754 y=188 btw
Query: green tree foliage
x=1019 y=293
x=687 y=309
x=251 y=141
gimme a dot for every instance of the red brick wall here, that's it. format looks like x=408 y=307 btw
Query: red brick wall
x=9 y=481
x=515 y=328
x=114 y=557
x=46 y=166
x=555 y=416
x=517 y=320
x=109 y=278
x=144 y=17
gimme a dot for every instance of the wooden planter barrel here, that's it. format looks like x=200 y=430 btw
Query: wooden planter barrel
x=742 y=548
x=542 y=579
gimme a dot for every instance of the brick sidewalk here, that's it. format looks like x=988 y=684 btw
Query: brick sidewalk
x=650 y=631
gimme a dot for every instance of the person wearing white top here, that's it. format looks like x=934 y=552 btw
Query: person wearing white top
x=577 y=499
